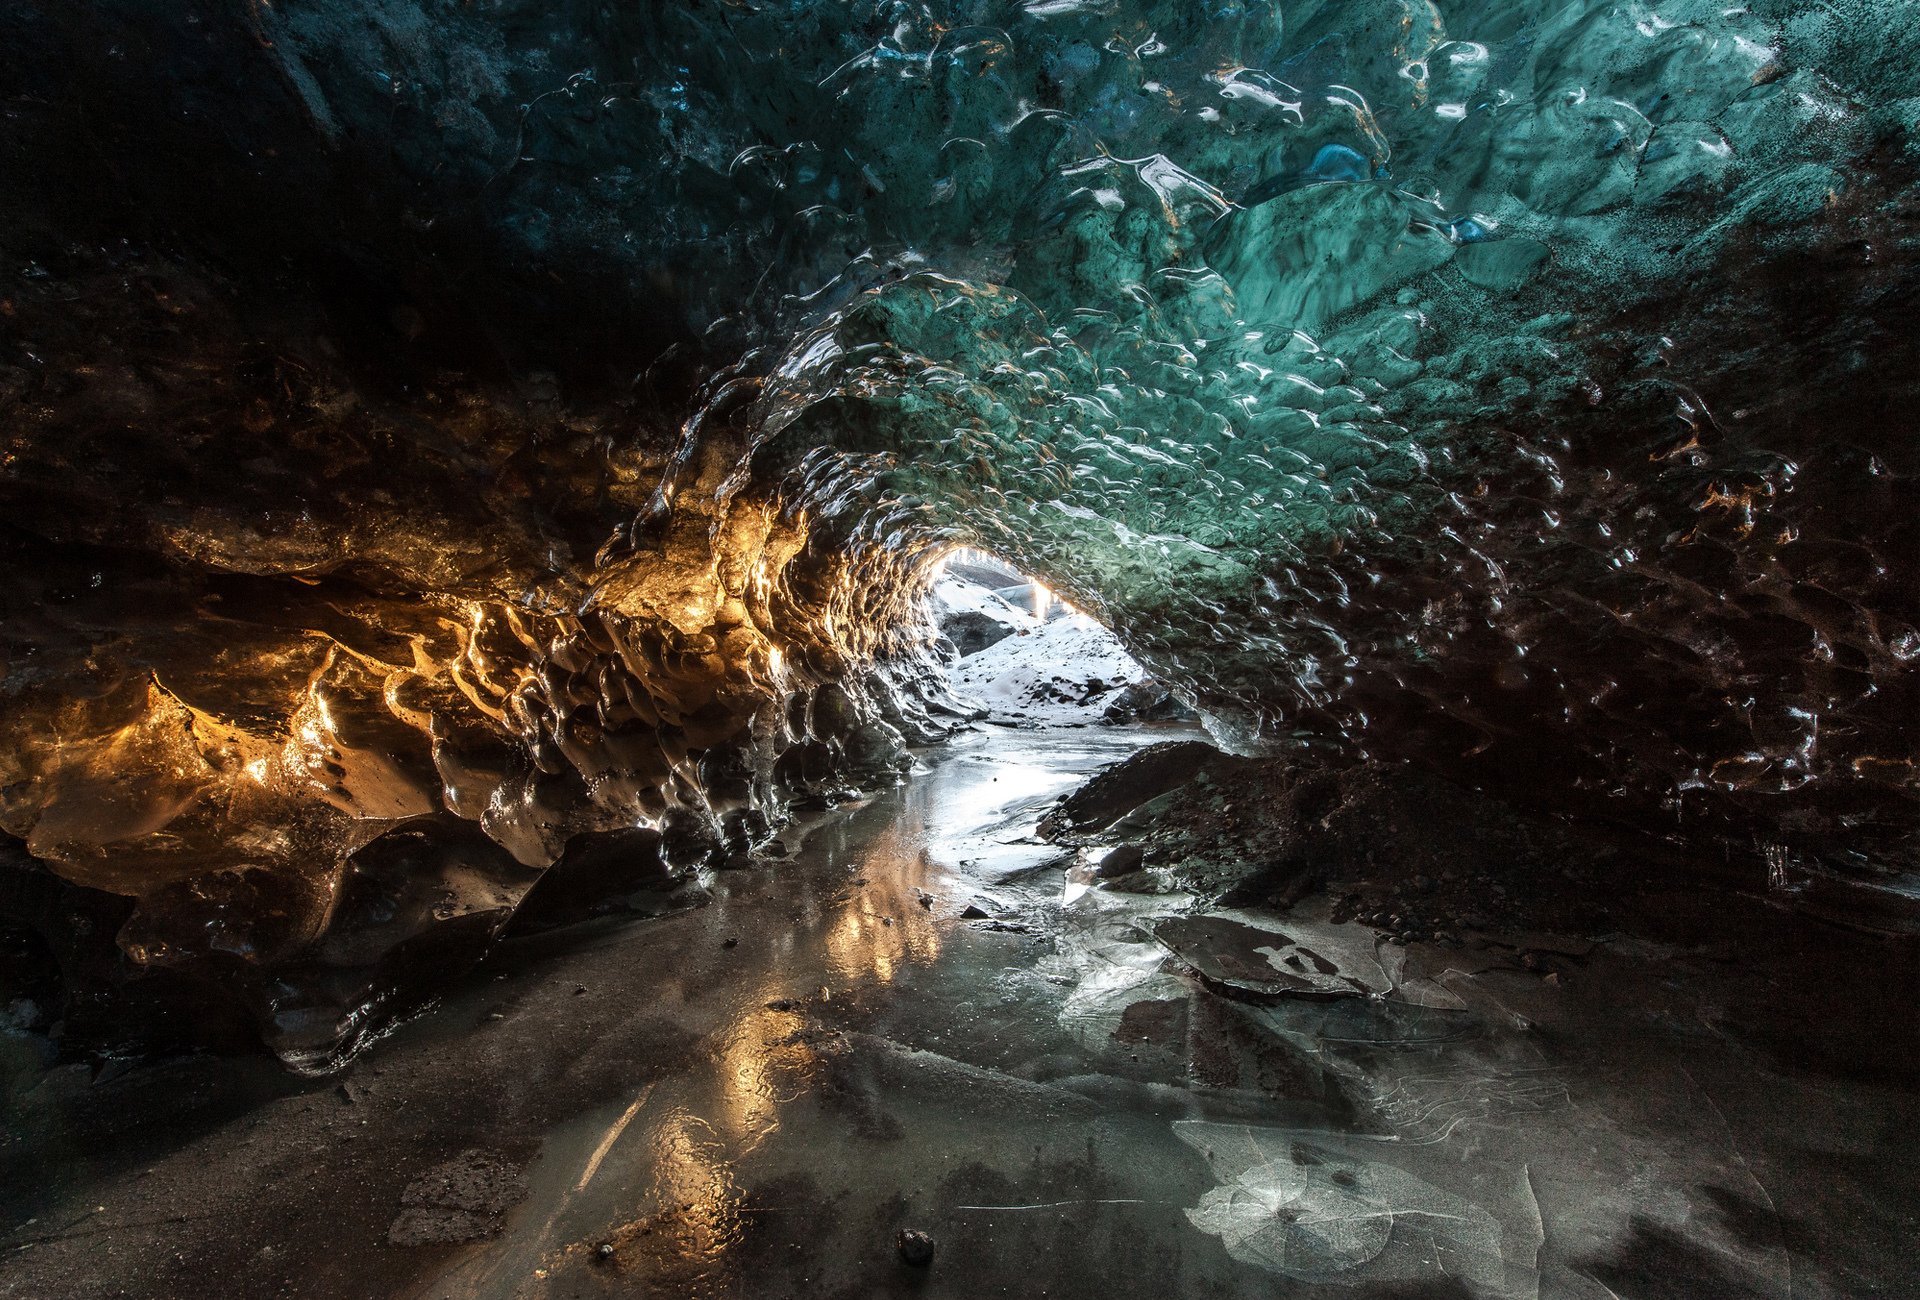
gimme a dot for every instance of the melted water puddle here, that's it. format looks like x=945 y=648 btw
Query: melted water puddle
x=1112 y=1094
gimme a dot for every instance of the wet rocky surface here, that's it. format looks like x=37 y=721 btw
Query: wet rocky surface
x=931 y=1026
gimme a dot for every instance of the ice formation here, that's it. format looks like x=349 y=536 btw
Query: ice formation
x=437 y=432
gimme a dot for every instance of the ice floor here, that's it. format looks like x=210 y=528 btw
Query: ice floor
x=926 y=1020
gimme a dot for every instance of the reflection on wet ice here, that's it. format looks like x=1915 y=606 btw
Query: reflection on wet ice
x=1223 y=1098
x=883 y=923
x=684 y=1240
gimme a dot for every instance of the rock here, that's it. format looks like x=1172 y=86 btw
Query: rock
x=975 y=618
x=1120 y=789
x=460 y=1201
x=915 y=1247
x=975 y=912
x=1239 y=960
x=1558 y=945
x=599 y=873
x=1147 y=700
x=1122 y=861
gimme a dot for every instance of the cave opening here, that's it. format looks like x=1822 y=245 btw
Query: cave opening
x=1026 y=656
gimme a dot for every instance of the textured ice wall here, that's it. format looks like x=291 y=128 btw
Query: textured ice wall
x=435 y=432
x=1509 y=387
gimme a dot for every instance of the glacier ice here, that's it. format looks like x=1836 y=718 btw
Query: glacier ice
x=436 y=433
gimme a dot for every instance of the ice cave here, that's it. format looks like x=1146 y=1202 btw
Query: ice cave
x=960 y=648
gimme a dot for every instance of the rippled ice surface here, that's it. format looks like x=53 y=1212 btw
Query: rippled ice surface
x=927 y=1020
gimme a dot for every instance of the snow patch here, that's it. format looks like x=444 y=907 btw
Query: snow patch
x=1065 y=671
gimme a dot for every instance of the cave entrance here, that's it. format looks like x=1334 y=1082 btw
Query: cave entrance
x=988 y=571
x=1027 y=658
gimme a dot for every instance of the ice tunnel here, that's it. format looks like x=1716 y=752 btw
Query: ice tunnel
x=466 y=460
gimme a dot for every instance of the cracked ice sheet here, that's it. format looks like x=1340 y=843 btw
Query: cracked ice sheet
x=981 y=820
x=1114 y=949
x=1320 y=1207
x=1578 y=1146
x=1478 y=1090
x=1105 y=952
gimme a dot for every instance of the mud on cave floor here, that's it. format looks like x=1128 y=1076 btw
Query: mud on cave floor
x=1079 y=1080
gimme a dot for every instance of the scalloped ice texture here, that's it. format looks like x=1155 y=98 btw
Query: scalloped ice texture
x=1432 y=381
x=1524 y=390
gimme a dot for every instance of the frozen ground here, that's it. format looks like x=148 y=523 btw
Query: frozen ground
x=927 y=1019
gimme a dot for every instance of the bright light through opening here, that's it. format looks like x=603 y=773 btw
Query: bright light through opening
x=1018 y=589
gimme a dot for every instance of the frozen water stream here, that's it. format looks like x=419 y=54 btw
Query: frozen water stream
x=908 y=1025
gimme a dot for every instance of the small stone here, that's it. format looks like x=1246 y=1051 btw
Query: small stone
x=731 y=941
x=775 y=849
x=915 y=1247
x=974 y=912
x=780 y=1004
x=603 y=1252
x=1122 y=861
x=578 y=989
